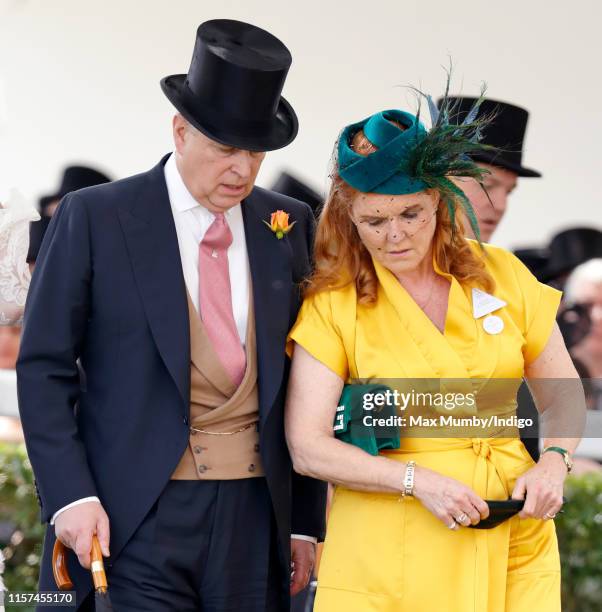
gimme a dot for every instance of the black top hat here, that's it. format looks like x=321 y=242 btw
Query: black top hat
x=570 y=248
x=232 y=90
x=74 y=178
x=506 y=132
x=535 y=258
x=288 y=185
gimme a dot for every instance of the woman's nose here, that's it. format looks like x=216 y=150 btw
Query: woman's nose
x=396 y=230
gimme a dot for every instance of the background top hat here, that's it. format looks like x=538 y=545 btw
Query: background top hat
x=288 y=185
x=535 y=258
x=74 y=178
x=506 y=132
x=570 y=248
x=232 y=90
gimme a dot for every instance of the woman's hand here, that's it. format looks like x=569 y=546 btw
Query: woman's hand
x=543 y=485
x=558 y=394
x=451 y=501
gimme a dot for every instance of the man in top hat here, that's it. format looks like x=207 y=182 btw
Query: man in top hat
x=74 y=178
x=507 y=134
x=568 y=249
x=175 y=295
x=505 y=165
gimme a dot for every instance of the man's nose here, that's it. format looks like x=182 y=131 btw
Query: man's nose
x=242 y=164
x=500 y=202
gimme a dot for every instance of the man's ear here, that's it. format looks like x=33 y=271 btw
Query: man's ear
x=180 y=131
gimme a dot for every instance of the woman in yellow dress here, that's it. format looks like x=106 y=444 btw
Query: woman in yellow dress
x=398 y=292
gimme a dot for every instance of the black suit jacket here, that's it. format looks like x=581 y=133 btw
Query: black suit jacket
x=108 y=290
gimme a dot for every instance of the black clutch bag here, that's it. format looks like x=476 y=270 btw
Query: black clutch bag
x=501 y=510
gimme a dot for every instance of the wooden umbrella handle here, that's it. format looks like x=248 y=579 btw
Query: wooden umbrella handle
x=61 y=574
x=59 y=567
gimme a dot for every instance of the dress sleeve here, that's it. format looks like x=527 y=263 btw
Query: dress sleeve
x=316 y=331
x=540 y=306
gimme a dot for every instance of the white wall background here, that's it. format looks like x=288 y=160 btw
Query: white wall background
x=79 y=82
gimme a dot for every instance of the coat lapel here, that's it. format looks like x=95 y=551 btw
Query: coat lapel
x=270 y=263
x=152 y=244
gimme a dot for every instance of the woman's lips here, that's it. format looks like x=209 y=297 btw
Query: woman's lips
x=400 y=252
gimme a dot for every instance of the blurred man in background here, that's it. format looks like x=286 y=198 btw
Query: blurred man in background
x=74 y=178
x=505 y=166
x=584 y=287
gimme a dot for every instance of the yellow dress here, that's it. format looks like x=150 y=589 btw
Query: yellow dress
x=383 y=554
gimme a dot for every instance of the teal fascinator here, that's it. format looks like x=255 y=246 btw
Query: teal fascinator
x=414 y=159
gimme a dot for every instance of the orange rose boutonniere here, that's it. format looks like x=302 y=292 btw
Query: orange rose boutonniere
x=279 y=224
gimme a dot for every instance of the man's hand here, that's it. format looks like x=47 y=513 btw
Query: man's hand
x=75 y=527
x=303 y=559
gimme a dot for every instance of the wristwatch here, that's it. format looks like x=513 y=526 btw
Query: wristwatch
x=566 y=457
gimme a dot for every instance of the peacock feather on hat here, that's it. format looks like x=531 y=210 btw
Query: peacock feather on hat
x=414 y=159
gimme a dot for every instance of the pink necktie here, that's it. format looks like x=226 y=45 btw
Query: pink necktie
x=215 y=298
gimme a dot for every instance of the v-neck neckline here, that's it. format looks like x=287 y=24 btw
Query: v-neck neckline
x=455 y=344
x=391 y=285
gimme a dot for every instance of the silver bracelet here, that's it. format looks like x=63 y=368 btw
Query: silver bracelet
x=408 y=481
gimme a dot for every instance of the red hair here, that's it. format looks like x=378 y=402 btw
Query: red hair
x=341 y=258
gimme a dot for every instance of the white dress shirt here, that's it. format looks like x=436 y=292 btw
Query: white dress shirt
x=192 y=221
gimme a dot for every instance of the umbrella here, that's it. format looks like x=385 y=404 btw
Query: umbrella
x=64 y=583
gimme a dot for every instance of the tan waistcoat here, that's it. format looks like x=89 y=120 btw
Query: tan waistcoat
x=218 y=406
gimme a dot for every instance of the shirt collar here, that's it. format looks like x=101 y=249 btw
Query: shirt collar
x=181 y=199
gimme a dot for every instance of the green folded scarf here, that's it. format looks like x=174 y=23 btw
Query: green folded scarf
x=349 y=426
